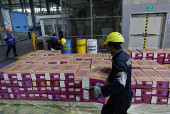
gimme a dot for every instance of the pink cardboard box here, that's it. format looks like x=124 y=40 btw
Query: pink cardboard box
x=26 y=90
x=67 y=84
x=2 y=83
x=12 y=76
x=15 y=96
x=4 y=96
x=133 y=83
x=53 y=60
x=146 y=53
x=79 y=98
x=135 y=53
x=78 y=91
x=65 y=59
x=1 y=75
x=3 y=89
x=167 y=55
x=53 y=83
x=160 y=92
x=143 y=93
x=25 y=83
x=96 y=56
x=77 y=82
x=158 y=80
x=69 y=91
x=159 y=100
x=87 y=56
x=92 y=80
x=143 y=83
x=53 y=89
x=54 y=97
x=40 y=96
x=39 y=90
x=95 y=63
x=12 y=83
x=146 y=100
x=78 y=57
x=27 y=96
x=54 y=53
x=166 y=60
x=13 y=90
x=133 y=90
x=68 y=97
x=85 y=65
x=105 y=56
x=159 y=60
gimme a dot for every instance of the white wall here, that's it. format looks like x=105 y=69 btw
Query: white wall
x=130 y=2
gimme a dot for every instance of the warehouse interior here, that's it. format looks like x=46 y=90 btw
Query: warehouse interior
x=61 y=55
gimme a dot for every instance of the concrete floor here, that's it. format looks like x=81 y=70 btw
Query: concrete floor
x=59 y=107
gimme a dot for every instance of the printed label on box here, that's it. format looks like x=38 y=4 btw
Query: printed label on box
x=6 y=76
x=71 y=89
x=71 y=77
x=138 y=92
x=144 y=55
x=133 y=100
x=77 y=98
x=19 y=76
x=44 y=95
x=43 y=88
x=63 y=96
x=23 y=95
x=56 y=76
x=14 y=77
x=85 y=83
x=63 y=89
x=9 y=90
x=77 y=89
x=86 y=94
x=148 y=82
x=20 y=83
x=62 y=76
x=29 y=88
x=49 y=96
x=7 y=81
x=11 y=95
x=48 y=83
x=36 y=95
x=62 y=84
x=42 y=77
x=47 y=76
x=155 y=55
x=71 y=96
x=133 y=83
x=34 y=88
x=133 y=55
x=21 y=89
x=34 y=83
x=56 y=88
x=164 y=100
x=49 y=88
x=148 y=93
x=154 y=99
x=168 y=100
x=70 y=84
x=33 y=77
x=154 y=84
x=14 y=82
x=3 y=87
x=58 y=62
x=76 y=82
x=154 y=92
x=28 y=76
x=31 y=95
x=138 y=82
x=138 y=98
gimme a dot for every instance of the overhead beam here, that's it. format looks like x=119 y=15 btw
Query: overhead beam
x=32 y=12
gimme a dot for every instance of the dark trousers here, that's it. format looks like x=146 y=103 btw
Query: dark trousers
x=9 y=49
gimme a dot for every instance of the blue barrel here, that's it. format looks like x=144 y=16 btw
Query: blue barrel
x=67 y=48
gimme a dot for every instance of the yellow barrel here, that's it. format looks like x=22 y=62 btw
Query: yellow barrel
x=81 y=45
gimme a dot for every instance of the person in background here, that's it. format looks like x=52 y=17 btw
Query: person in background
x=118 y=85
x=9 y=38
x=55 y=44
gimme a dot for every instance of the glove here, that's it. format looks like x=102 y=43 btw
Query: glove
x=96 y=91
x=52 y=49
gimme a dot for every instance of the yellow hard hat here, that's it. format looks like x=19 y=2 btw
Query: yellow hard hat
x=63 y=40
x=114 y=37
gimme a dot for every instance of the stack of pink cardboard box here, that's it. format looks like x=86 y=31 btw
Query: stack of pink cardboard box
x=158 y=55
x=152 y=82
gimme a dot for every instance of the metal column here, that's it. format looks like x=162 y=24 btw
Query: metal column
x=48 y=8
x=22 y=6
x=32 y=12
x=91 y=8
x=9 y=1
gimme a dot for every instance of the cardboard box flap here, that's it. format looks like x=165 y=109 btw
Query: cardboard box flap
x=151 y=73
x=70 y=67
x=30 y=68
x=78 y=56
x=18 y=67
x=100 y=70
x=104 y=56
x=137 y=73
x=81 y=73
x=85 y=64
x=57 y=68
x=43 y=59
x=165 y=73
x=43 y=69
x=143 y=79
x=96 y=56
x=125 y=50
x=151 y=62
x=87 y=56
x=134 y=51
x=95 y=62
x=107 y=62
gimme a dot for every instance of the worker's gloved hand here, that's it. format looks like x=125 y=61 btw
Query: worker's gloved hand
x=96 y=91
x=52 y=49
